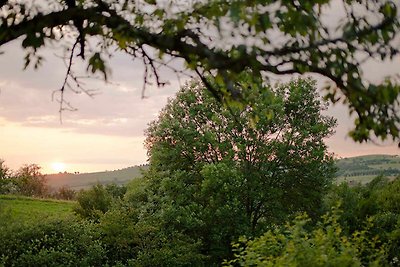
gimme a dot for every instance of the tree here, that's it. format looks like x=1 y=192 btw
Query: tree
x=223 y=38
x=4 y=170
x=216 y=174
x=6 y=184
x=30 y=181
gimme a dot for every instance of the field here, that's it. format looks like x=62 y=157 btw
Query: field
x=26 y=209
x=86 y=180
x=364 y=168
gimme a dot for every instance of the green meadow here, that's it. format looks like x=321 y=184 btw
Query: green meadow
x=27 y=209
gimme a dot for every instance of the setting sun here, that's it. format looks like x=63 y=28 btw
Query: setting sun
x=58 y=166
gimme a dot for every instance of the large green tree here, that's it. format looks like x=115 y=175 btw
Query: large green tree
x=217 y=173
x=334 y=38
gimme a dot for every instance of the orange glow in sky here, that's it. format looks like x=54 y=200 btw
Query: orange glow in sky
x=58 y=166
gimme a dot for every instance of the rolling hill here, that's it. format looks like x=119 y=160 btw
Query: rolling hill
x=86 y=180
x=360 y=169
x=363 y=169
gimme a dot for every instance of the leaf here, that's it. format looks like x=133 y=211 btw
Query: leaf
x=96 y=63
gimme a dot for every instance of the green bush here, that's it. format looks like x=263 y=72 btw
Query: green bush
x=65 y=193
x=325 y=245
x=93 y=203
x=51 y=243
x=134 y=241
x=116 y=191
x=378 y=201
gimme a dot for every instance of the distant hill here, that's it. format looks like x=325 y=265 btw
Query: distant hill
x=360 y=169
x=363 y=169
x=86 y=180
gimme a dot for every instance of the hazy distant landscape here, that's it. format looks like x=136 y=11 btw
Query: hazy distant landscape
x=361 y=169
x=86 y=180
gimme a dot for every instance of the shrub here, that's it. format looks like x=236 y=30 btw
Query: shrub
x=93 y=203
x=378 y=201
x=136 y=241
x=116 y=191
x=326 y=245
x=51 y=243
x=65 y=192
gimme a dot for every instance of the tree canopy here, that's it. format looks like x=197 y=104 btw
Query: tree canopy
x=215 y=175
x=222 y=38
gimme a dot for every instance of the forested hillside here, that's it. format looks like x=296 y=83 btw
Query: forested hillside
x=364 y=168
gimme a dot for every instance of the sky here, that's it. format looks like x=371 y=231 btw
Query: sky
x=106 y=132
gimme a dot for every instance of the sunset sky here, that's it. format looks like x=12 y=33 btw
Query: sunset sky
x=107 y=131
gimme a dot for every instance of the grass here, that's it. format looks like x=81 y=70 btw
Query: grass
x=26 y=209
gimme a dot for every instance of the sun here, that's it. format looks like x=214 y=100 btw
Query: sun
x=58 y=166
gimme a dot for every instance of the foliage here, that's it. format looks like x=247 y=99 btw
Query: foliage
x=136 y=241
x=97 y=200
x=226 y=37
x=94 y=202
x=65 y=193
x=372 y=165
x=30 y=181
x=6 y=184
x=116 y=191
x=218 y=173
x=325 y=245
x=378 y=201
x=27 y=181
x=50 y=243
x=5 y=172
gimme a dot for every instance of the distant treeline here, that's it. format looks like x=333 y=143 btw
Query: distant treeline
x=369 y=165
x=373 y=172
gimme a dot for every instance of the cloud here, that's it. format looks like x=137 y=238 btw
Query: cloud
x=118 y=109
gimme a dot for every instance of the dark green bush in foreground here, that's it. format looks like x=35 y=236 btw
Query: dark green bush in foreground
x=134 y=241
x=378 y=202
x=51 y=243
x=365 y=232
x=326 y=245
